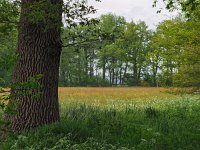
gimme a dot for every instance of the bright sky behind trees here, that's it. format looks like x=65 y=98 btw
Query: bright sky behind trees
x=134 y=10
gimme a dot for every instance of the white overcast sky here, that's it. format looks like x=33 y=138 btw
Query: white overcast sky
x=133 y=10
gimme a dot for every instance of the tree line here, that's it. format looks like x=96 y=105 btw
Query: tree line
x=114 y=52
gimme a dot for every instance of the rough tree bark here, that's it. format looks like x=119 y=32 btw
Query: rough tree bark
x=39 y=52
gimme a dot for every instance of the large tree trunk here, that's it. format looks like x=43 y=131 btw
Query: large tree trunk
x=39 y=51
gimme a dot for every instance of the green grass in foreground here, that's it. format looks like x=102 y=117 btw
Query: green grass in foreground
x=162 y=124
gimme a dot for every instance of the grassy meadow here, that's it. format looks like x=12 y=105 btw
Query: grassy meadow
x=112 y=96
x=117 y=119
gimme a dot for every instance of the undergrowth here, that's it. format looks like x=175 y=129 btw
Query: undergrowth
x=164 y=124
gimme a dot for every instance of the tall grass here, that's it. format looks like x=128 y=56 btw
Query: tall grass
x=158 y=121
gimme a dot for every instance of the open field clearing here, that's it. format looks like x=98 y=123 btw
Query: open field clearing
x=114 y=96
x=117 y=119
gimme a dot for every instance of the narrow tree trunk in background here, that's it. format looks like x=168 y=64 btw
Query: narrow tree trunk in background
x=62 y=75
x=135 y=73
x=120 y=75
x=110 y=75
x=116 y=78
x=139 y=75
x=125 y=71
x=113 y=76
x=155 y=69
x=104 y=70
x=86 y=66
x=92 y=55
x=79 y=81
x=39 y=53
